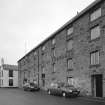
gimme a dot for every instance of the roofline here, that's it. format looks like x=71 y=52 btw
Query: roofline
x=65 y=25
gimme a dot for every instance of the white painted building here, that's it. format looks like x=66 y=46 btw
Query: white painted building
x=8 y=75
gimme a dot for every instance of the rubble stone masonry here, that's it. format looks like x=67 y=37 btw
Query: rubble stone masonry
x=38 y=65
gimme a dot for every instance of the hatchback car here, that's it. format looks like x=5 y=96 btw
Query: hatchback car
x=55 y=89
x=31 y=87
x=70 y=90
x=63 y=89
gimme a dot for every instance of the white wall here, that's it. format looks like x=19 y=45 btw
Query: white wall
x=15 y=78
x=6 y=78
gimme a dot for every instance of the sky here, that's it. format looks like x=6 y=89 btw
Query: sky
x=26 y=23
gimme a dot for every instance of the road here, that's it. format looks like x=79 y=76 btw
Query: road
x=20 y=97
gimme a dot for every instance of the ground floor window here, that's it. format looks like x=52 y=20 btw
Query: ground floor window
x=70 y=80
x=10 y=82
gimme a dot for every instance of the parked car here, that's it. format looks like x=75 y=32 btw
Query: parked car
x=26 y=86
x=70 y=90
x=31 y=87
x=55 y=89
x=63 y=89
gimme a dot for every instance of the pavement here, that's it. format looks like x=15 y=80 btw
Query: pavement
x=20 y=97
x=96 y=99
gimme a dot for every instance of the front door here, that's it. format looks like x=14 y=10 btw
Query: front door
x=97 y=85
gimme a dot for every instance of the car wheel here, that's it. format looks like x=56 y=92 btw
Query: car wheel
x=64 y=94
x=49 y=92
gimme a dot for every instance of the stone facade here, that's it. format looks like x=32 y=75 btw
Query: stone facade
x=48 y=61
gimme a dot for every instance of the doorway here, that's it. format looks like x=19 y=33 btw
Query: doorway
x=97 y=85
x=43 y=79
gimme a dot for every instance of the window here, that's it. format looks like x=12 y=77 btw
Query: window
x=35 y=53
x=70 y=31
x=2 y=82
x=94 y=58
x=29 y=74
x=43 y=48
x=2 y=73
x=69 y=45
x=10 y=82
x=10 y=73
x=53 y=41
x=54 y=69
x=43 y=70
x=70 y=64
x=70 y=80
x=43 y=75
x=95 y=32
x=96 y=14
x=53 y=52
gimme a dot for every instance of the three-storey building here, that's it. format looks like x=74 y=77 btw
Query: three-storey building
x=75 y=53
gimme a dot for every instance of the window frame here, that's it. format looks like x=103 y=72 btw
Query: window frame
x=69 y=65
x=92 y=31
x=10 y=73
x=70 y=30
x=54 y=68
x=10 y=83
x=72 y=80
x=43 y=48
x=69 y=41
x=93 y=60
x=53 y=41
x=92 y=18
x=53 y=52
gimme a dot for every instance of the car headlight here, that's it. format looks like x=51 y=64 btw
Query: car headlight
x=70 y=90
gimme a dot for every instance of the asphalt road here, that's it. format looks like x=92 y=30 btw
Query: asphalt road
x=20 y=97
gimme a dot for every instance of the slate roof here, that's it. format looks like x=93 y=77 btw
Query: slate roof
x=9 y=67
x=66 y=24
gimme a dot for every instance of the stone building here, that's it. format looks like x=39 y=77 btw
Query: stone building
x=75 y=53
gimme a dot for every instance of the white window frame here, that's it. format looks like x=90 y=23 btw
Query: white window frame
x=70 y=64
x=70 y=80
x=94 y=58
x=95 y=32
x=96 y=14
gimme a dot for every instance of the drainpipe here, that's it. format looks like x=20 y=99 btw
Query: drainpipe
x=38 y=67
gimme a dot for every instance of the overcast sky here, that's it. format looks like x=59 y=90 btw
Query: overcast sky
x=28 y=22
